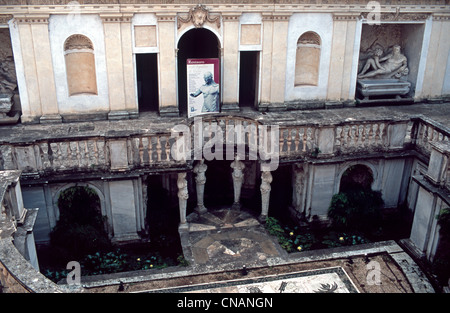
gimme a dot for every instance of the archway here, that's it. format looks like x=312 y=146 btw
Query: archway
x=356 y=177
x=195 y=43
x=81 y=228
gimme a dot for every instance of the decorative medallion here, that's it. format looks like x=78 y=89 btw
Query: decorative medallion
x=198 y=16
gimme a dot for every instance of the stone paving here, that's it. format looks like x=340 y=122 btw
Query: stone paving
x=219 y=243
x=224 y=235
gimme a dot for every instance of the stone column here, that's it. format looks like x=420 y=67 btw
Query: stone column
x=183 y=195
x=299 y=184
x=266 y=179
x=238 y=178
x=200 y=180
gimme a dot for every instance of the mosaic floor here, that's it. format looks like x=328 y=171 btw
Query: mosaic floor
x=327 y=280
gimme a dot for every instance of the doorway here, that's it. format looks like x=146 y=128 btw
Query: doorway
x=195 y=43
x=248 y=78
x=147 y=82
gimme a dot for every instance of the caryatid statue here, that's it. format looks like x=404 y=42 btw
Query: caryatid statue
x=183 y=195
x=238 y=177
x=266 y=180
x=200 y=180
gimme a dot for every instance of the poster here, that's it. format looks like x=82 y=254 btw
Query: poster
x=203 y=86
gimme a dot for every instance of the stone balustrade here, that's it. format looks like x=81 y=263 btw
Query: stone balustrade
x=426 y=133
x=106 y=153
x=88 y=154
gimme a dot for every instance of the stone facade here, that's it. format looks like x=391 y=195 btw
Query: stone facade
x=78 y=62
x=121 y=30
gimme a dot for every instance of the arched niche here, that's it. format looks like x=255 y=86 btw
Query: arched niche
x=80 y=65
x=307 y=60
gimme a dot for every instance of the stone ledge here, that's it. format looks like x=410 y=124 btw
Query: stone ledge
x=22 y=271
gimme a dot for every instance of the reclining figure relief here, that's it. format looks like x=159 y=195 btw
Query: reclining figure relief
x=392 y=65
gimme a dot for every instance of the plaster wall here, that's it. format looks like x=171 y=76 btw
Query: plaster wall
x=60 y=28
x=299 y=23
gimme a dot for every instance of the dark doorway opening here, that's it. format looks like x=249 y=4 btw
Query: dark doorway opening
x=281 y=193
x=248 y=78
x=196 y=43
x=219 y=184
x=147 y=81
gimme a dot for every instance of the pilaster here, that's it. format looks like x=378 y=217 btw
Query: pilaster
x=167 y=64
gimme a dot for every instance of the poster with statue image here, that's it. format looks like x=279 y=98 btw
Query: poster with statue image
x=203 y=86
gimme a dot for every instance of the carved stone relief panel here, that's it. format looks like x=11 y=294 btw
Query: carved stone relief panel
x=198 y=16
x=8 y=81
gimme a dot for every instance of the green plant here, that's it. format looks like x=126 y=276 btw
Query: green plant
x=55 y=276
x=441 y=263
x=80 y=228
x=356 y=210
x=444 y=222
x=289 y=238
x=104 y=263
x=182 y=261
x=315 y=153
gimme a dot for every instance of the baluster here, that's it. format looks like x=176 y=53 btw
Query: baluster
x=383 y=134
x=141 y=151
x=79 y=157
x=305 y=138
x=363 y=135
x=86 y=159
x=370 y=135
x=342 y=137
x=158 y=148
x=96 y=153
x=310 y=138
x=282 y=142
x=44 y=147
x=54 y=159
x=167 y=146
x=348 y=140
x=60 y=155
x=290 y=140
x=378 y=134
x=297 y=140
x=103 y=151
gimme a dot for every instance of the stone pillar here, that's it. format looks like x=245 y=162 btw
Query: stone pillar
x=114 y=64
x=38 y=70
x=266 y=179
x=273 y=71
x=183 y=195
x=340 y=80
x=167 y=63
x=230 y=62
x=238 y=178
x=200 y=180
